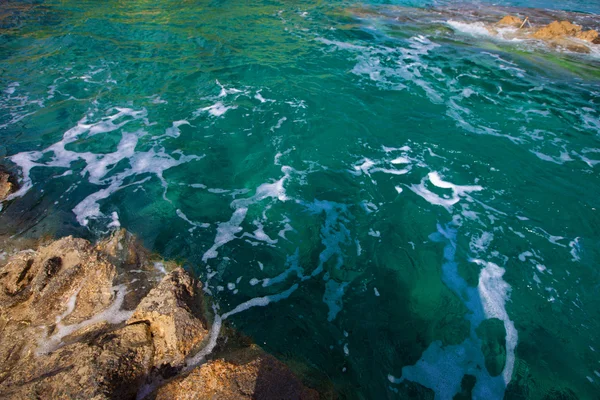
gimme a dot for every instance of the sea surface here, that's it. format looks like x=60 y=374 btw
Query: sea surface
x=382 y=194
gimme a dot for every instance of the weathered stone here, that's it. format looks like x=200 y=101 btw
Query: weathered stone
x=510 y=20
x=261 y=378
x=7 y=184
x=59 y=308
x=588 y=36
x=67 y=331
x=137 y=268
x=173 y=311
x=556 y=30
x=40 y=284
x=111 y=366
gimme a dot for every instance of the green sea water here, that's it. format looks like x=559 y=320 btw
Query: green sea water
x=385 y=197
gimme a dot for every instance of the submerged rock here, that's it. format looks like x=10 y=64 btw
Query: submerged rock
x=104 y=322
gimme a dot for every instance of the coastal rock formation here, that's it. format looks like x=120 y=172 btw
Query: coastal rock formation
x=557 y=30
x=589 y=36
x=7 y=184
x=258 y=378
x=171 y=311
x=563 y=29
x=105 y=322
x=510 y=20
x=558 y=34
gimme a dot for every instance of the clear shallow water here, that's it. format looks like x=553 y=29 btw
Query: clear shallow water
x=381 y=194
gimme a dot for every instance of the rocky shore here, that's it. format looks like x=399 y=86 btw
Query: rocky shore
x=556 y=30
x=113 y=321
x=556 y=34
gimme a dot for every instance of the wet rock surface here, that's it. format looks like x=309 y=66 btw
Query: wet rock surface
x=105 y=322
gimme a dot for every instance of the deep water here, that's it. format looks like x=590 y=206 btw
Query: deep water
x=387 y=198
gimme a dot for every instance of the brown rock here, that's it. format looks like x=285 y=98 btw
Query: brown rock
x=7 y=184
x=67 y=331
x=174 y=311
x=589 y=36
x=62 y=317
x=137 y=268
x=113 y=365
x=556 y=30
x=38 y=285
x=509 y=20
x=49 y=294
x=263 y=378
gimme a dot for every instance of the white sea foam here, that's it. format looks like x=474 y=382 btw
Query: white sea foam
x=98 y=166
x=286 y=228
x=200 y=356
x=279 y=123
x=160 y=267
x=115 y=223
x=458 y=191
x=369 y=167
x=113 y=315
x=479 y=244
x=293 y=263
x=406 y=68
x=63 y=158
x=227 y=231
x=216 y=110
x=174 y=131
x=575 y=246
x=260 y=235
x=400 y=160
x=334 y=232
x=493 y=292
x=374 y=233
x=523 y=256
x=195 y=225
x=471 y=28
x=394 y=149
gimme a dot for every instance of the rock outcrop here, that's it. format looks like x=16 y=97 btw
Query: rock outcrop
x=258 y=378
x=557 y=30
x=589 y=36
x=172 y=310
x=510 y=20
x=105 y=322
x=558 y=34
x=565 y=29
x=7 y=184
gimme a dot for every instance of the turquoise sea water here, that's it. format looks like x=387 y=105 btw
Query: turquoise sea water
x=378 y=193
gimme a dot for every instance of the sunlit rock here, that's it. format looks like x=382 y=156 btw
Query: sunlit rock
x=510 y=20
